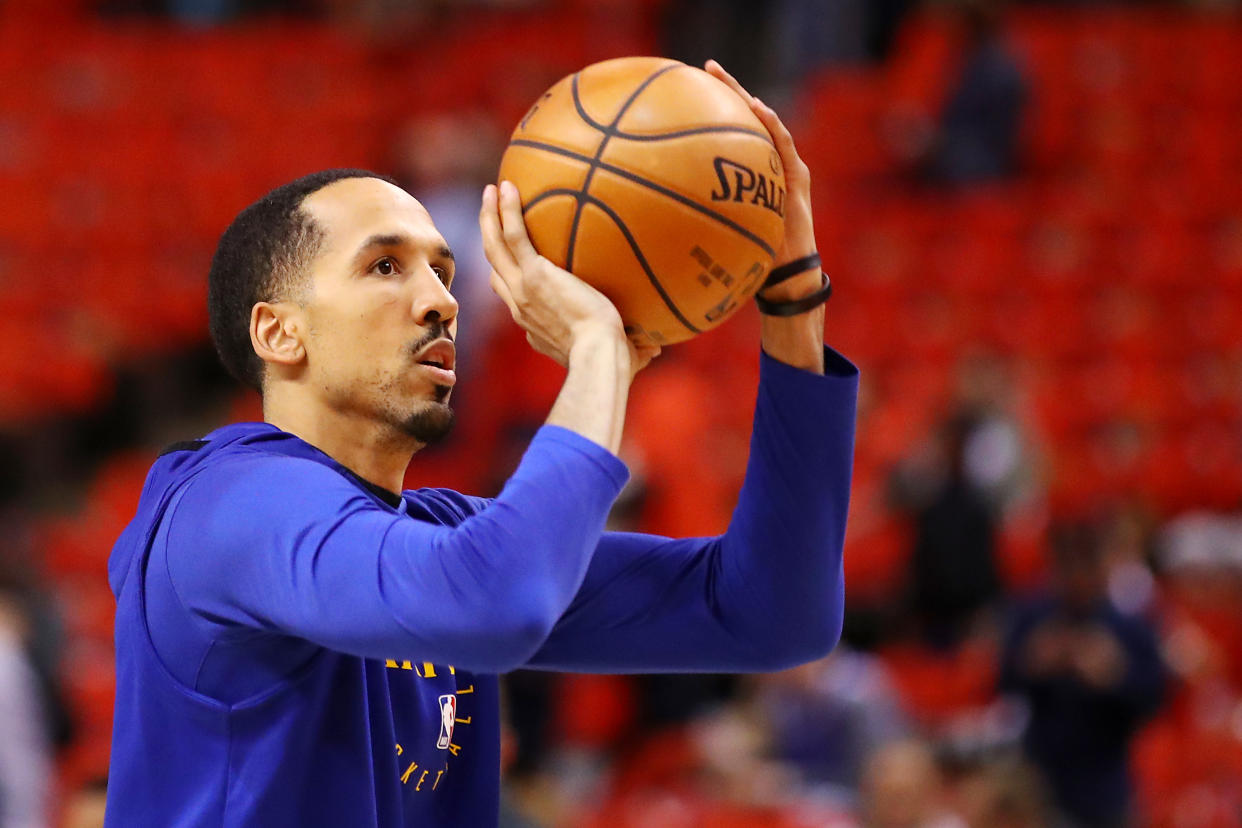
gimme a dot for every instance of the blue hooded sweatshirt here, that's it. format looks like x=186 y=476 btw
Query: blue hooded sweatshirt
x=298 y=647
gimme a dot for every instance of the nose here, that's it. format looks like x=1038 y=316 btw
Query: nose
x=432 y=300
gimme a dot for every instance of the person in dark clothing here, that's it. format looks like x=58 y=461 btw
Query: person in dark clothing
x=1090 y=675
x=980 y=122
x=974 y=138
x=953 y=572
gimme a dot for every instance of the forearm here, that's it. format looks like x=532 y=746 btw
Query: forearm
x=786 y=537
x=593 y=398
x=294 y=548
x=513 y=568
x=767 y=594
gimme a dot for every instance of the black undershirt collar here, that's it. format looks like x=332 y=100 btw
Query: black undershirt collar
x=391 y=498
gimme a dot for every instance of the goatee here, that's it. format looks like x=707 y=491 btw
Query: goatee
x=431 y=423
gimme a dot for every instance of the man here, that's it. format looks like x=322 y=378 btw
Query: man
x=1091 y=675
x=298 y=644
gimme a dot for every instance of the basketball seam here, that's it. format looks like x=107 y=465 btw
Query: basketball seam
x=651 y=185
x=660 y=136
x=582 y=113
x=609 y=132
x=581 y=197
x=681 y=133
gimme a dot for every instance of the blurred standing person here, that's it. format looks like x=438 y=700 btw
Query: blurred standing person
x=975 y=137
x=976 y=471
x=1090 y=675
x=25 y=749
x=953 y=574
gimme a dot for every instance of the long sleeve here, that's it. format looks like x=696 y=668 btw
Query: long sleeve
x=290 y=546
x=767 y=594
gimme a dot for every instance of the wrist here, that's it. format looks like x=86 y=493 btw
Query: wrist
x=786 y=291
x=793 y=275
x=593 y=341
x=795 y=287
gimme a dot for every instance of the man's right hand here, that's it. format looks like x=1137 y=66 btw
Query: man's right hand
x=555 y=308
x=564 y=318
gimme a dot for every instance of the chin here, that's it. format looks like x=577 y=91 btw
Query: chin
x=430 y=423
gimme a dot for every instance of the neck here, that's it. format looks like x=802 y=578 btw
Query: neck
x=372 y=450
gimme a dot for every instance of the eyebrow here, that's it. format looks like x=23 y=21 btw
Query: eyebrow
x=401 y=240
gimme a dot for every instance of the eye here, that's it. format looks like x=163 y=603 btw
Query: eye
x=443 y=275
x=385 y=266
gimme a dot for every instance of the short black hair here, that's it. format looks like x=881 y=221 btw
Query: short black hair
x=260 y=258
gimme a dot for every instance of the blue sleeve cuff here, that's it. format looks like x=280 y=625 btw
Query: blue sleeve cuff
x=805 y=402
x=609 y=464
x=835 y=366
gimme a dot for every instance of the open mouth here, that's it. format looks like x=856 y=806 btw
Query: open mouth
x=441 y=357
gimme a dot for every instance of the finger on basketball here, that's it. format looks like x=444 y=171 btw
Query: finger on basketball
x=717 y=71
x=781 y=136
x=513 y=226
x=494 y=247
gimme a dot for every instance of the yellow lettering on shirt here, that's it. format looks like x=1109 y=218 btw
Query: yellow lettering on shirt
x=399 y=749
x=428 y=670
x=439 y=773
x=466 y=720
x=462 y=692
x=406 y=776
x=392 y=663
x=454 y=749
x=421 y=780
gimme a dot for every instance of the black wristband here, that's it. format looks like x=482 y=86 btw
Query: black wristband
x=797 y=306
x=790 y=269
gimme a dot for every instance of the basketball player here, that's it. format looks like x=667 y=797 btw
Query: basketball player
x=300 y=643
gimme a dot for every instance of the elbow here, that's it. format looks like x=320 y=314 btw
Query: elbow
x=814 y=641
x=514 y=632
x=808 y=639
x=528 y=628
x=801 y=618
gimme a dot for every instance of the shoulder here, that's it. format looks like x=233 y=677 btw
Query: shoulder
x=242 y=485
x=447 y=506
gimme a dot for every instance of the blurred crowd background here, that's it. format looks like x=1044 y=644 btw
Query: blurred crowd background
x=1032 y=213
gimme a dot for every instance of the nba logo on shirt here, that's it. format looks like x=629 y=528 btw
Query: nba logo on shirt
x=448 y=714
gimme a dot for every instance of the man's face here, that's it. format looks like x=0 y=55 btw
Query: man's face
x=380 y=318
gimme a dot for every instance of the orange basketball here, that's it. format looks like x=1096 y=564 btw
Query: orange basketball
x=654 y=182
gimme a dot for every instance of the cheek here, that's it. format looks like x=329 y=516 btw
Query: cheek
x=367 y=337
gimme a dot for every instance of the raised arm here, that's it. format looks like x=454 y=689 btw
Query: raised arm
x=766 y=595
x=769 y=593
x=290 y=546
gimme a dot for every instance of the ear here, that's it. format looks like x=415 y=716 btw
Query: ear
x=276 y=333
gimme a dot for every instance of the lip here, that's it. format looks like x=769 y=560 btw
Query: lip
x=440 y=376
x=444 y=352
